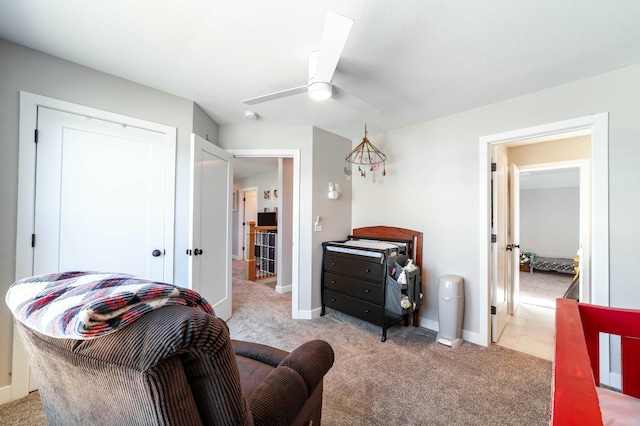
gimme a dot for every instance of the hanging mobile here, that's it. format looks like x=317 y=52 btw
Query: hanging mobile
x=366 y=154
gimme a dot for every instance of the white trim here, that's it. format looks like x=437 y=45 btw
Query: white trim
x=295 y=261
x=284 y=289
x=467 y=336
x=599 y=126
x=615 y=381
x=5 y=394
x=26 y=201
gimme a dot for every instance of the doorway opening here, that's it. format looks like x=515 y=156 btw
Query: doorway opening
x=549 y=239
x=287 y=203
x=597 y=283
x=550 y=215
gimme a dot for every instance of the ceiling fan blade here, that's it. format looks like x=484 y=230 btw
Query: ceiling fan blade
x=275 y=95
x=335 y=34
x=353 y=102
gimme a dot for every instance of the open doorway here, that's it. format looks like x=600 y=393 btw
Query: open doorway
x=596 y=286
x=247 y=212
x=268 y=179
x=548 y=230
x=549 y=217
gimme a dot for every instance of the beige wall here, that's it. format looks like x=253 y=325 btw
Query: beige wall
x=550 y=152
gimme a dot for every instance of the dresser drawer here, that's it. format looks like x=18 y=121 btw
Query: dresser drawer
x=356 y=268
x=351 y=306
x=365 y=290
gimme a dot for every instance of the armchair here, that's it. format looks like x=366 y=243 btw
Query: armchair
x=176 y=366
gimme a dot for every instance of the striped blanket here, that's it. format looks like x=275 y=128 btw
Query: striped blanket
x=86 y=305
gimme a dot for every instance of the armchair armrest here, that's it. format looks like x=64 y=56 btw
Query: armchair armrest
x=283 y=393
x=263 y=353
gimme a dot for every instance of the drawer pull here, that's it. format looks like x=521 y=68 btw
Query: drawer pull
x=367 y=270
x=367 y=291
x=366 y=311
x=333 y=281
x=333 y=263
x=333 y=299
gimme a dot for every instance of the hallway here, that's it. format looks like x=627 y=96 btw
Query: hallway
x=531 y=331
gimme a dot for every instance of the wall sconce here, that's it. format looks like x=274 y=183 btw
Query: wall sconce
x=334 y=191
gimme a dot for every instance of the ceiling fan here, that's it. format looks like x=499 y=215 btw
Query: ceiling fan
x=322 y=66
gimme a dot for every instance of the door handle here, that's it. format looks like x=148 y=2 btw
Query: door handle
x=156 y=253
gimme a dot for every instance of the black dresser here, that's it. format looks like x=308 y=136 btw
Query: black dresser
x=357 y=285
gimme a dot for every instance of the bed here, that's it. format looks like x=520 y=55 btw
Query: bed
x=576 y=395
x=555 y=264
x=360 y=276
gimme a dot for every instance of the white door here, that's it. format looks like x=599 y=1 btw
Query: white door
x=101 y=198
x=210 y=224
x=250 y=210
x=499 y=248
x=514 y=237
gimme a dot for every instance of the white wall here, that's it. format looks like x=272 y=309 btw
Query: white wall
x=550 y=221
x=432 y=181
x=264 y=182
x=31 y=71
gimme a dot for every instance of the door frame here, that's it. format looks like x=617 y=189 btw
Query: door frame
x=294 y=154
x=29 y=104
x=598 y=124
x=241 y=213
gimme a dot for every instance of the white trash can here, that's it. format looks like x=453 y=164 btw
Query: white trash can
x=450 y=310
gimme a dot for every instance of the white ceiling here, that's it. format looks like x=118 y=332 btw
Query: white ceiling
x=414 y=60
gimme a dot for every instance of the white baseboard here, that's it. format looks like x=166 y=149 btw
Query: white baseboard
x=467 y=336
x=615 y=380
x=429 y=324
x=5 y=394
x=284 y=289
x=314 y=313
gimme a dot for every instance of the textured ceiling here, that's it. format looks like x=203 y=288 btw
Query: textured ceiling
x=413 y=60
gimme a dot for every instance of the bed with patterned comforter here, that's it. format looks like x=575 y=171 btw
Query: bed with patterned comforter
x=556 y=264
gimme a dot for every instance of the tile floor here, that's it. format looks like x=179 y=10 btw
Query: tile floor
x=530 y=331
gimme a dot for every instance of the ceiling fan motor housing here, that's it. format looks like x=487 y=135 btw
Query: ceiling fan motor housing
x=318 y=90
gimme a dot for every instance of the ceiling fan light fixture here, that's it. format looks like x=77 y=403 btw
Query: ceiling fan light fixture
x=320 y=91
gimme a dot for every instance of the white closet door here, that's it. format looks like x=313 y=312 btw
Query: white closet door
x=100 y=197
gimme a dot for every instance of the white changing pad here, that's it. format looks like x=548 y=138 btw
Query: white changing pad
x=353 y=247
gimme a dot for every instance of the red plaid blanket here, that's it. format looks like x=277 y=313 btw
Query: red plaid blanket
x=85 y=305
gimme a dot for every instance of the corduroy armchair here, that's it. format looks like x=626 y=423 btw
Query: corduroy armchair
x=176 y=366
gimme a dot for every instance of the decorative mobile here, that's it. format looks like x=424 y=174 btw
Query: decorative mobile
x=367 y=157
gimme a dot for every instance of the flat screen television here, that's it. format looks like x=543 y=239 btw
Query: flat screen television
x=267 y=219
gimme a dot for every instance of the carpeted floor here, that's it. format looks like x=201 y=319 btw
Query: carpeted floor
x=543 y=288
x=407 y=380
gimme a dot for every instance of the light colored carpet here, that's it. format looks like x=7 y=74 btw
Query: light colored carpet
x=407 y=380
x=543 y=288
